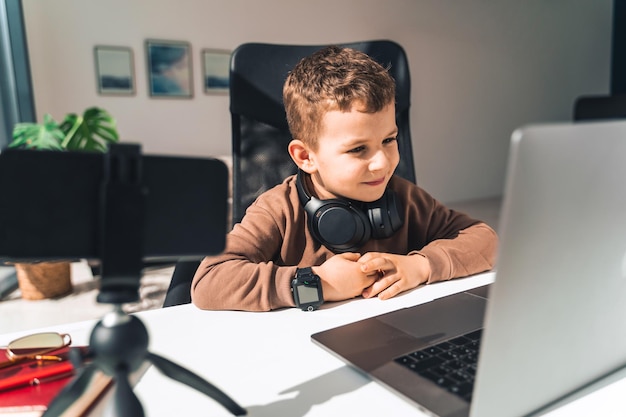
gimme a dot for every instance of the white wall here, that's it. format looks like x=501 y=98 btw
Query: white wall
x=480 y=68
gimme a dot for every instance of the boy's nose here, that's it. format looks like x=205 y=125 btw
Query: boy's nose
x=380 y=161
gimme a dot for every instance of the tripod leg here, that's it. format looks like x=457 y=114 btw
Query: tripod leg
x=70 y=393
x=125 y=401
x=187 y=377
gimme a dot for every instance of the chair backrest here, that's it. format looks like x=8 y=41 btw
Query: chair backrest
x=260 y=134
x=588 y=108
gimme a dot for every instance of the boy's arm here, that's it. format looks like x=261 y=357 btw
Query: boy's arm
x=471 y=251
x=244 y=276
x=455 y=244
x=229 y=282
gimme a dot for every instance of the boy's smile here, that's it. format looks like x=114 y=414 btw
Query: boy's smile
x=356 y=154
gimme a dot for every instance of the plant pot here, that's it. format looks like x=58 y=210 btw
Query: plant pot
x=38 y=281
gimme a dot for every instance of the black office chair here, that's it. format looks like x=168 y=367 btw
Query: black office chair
x=587 y=108
x=259 y=125
x=260 y=134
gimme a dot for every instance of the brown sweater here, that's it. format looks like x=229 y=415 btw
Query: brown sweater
x=263 y=251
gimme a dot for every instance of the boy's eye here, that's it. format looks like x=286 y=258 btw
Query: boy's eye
x=362 y=148
x=390 y=140
x=357 y=149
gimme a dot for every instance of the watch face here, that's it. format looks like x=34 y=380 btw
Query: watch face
x=307 y=290
x=307 y=294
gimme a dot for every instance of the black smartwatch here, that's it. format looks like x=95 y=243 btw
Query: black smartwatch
x=307 y=290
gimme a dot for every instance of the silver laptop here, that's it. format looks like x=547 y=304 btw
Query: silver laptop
x=554 y=317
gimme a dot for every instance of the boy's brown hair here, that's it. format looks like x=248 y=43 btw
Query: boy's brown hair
x=333 y=78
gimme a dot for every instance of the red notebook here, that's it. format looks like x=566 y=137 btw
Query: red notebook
x=27 y=387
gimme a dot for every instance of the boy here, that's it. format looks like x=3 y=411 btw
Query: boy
x=313 y=231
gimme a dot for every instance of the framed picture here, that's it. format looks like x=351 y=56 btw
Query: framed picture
x=114 y=70
x=216 y=68
x=169 y=69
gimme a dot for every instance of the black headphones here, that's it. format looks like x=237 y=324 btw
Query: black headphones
x=343 y=225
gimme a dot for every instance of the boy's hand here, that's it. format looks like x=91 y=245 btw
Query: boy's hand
x=343 y=277
x=396 y=273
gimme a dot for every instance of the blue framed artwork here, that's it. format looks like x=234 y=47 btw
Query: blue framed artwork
x=169 y=69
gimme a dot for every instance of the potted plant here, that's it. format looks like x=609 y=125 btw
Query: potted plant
x=91 y=131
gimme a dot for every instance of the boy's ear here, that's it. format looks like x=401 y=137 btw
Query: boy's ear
x=301 y=155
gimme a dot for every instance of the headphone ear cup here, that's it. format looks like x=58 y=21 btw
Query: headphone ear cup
x=337 y=224
x=385 y=215
x=343 y=227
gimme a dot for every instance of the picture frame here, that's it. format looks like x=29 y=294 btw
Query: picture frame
x=215 y=70
x=169 y=66
x=115 y=71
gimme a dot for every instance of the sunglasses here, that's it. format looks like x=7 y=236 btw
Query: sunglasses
x=34 y=359
x=36 y=346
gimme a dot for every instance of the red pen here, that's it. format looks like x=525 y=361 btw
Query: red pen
x=34 y=372
x=38 y=380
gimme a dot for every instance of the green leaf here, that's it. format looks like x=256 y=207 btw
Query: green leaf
x=47 y=135
x=91 y=132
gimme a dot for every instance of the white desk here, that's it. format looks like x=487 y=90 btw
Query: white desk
x=267 y=363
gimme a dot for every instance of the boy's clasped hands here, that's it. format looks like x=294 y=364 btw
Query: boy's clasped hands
x=385 y=275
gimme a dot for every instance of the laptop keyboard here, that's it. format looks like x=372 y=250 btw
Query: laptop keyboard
x=450 y=364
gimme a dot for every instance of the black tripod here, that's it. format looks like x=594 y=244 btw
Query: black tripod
x=119 y=342
x=119 y=346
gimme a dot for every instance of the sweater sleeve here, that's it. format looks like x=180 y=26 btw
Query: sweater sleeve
x=455 y=244
x=471 y=251
x=246 y=276
x=262 y=253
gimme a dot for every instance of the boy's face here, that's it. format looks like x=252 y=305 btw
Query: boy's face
x=356 y=154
